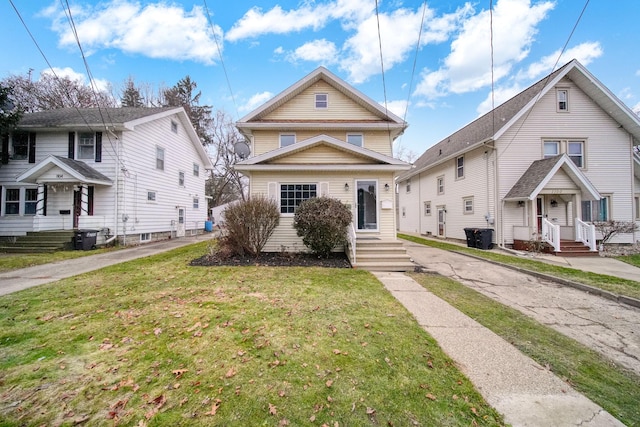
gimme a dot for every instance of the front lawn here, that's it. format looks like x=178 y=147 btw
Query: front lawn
x=158 y=342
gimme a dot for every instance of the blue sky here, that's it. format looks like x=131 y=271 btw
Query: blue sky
x=268 y=45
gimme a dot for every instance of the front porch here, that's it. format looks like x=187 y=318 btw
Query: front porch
x=567 y=241
x=377 y=254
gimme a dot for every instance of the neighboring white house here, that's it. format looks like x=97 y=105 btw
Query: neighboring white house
x=547 y=162
x=322 y=137
x=136 y=174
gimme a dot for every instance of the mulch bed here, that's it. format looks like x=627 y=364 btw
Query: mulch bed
x=275 y=259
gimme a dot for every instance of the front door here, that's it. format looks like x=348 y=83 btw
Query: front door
x=442 y=221
x=180 y=230
x=539 y=213
x=77 y=207
x=367 y=208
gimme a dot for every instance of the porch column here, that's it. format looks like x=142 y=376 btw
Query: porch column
x=84 y=203
x=40 y=201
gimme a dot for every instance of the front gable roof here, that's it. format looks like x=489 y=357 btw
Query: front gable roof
x=386 y=119
x=109 y=120
x=374 y=160
x=538 y=175
x=495 y=123
x=70 y=170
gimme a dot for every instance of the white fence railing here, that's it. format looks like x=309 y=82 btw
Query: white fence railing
x=351 y=236
x=586 y=233
x=551 y=234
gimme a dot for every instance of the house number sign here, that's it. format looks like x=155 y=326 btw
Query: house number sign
x=59 y=175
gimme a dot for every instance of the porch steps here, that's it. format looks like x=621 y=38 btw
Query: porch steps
x=38 y=242
x=381 y=255
x=570 y=248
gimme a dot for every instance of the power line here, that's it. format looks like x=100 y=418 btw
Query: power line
x=384 y=85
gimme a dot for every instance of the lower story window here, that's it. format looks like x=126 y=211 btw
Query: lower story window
x=637 y=207
x=12 y=201
x=427 y=208
x=30 y=201
x=291 y=195
x=468 y=205
x=196 y=203
x=151 y=196
x=145 y=237
x=596 y=210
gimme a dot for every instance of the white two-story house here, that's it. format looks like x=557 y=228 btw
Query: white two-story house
x=132 y=174
x=547 y=163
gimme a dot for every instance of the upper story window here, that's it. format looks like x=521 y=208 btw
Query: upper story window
x=20 y=146
x=151 y=196
x=460 y=167
x=562 y=97
x=427 y=208
x=408 y=187
x=196 y=203
x=575 y=150
x=86 y=145
x=287 y=139
x=322 y=100
x=551 y=148
x=291 y=195
x=181 y=179
x=440 y=184
x=174 y=127
x=196 y=169
x=160 y=158
x=355 y=139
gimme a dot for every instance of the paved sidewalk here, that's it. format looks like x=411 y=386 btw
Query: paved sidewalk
x=16 y=280
x=523 y=391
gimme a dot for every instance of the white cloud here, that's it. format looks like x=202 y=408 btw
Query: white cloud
x=159 y=30
x=468 y=66
x=66 y=72
x=626 y=93
x=397 y=107
x=500 y=95
x=636 y=108
x=585 y=53
x=255 y=101
x=322 y=51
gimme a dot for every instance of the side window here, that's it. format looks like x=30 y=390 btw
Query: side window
x=575 y=150
x=287 y=139
x=596 y=210
x=440 y=185
x=427 y=208
x=550 y=148
x=355 y=139
x=160 y=158
x=562 y=96
x=196 y=169
x=408 y=187
x=20 y=146
x=30 y=200
x=86 y=145
x=181 y=179
x=151 y=196
x=174 y=127
x=468 y=205
x=460 y=167
x=322 y=101
x=196 y=203
x=12 y=201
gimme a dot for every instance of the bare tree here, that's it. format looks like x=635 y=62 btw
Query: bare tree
x=403 y=153
x=610 y=228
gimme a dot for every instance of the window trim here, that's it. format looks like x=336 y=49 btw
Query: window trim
x=33 y=201
x=583 y=157
x=459 y=168
x=145 y=237
x=295 y=199
x=160 y=150
x=196 y=203
x=150 y=198
x=13 y=202
x=465 y=200
x=174 y=126
x=25 y=147
x=608 y=199
x=361 y=135
x=440 y=185
x=559 y=107
x=287 y=134
x=320 y=104
x=408 y=186
x=81 y=137
x=427 y=208
x=196 y=169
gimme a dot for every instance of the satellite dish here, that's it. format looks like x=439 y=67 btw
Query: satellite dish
x=242 y=149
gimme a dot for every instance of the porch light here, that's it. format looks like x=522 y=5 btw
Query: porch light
x=346 y=186
x=554 y=203
x=520 y=203
x=386 y=187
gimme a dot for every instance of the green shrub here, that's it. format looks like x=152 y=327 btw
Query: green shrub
x=249 y=224
x=322 y=223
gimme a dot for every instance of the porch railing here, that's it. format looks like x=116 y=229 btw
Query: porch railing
x=586 y=233
x=551 y=234
x=351 y=236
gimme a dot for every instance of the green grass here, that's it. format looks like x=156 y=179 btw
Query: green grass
x=613 y=388
x=616 y=285
x=630 y=259
x=10 y=262
x=157 y=342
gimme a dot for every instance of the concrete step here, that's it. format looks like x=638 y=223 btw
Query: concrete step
x=385 y=266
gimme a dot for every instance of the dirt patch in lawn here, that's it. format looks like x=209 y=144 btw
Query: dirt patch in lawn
x=275 y=259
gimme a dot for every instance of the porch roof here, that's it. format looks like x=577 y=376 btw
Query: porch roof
x=538 y=175
x=71 y=171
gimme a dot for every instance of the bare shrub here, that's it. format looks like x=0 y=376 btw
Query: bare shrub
x=322 y=223
x=610 y=228
x=249 y=224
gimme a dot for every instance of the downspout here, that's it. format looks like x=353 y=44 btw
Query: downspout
x=420 y=206
x=634 y=215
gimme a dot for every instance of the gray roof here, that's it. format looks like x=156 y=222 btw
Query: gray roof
x=84 y=169
x=483 y=128
x=91 y=117
x=531 y=179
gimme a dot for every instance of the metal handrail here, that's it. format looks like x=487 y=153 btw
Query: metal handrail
x=586 y=233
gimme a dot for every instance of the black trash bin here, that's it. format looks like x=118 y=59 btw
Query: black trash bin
x=484 y=238
x=85 y=240
x=471 y=237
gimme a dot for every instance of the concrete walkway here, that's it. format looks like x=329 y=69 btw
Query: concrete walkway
x=12 y=281
x=526 y=393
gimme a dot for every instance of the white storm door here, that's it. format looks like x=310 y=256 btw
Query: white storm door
x=180 y=230
x=367 y=205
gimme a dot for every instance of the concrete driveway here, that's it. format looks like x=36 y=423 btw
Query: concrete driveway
x=608 y=327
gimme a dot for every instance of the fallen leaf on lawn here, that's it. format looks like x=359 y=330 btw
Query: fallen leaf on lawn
x=214 y=407
x=159 y=401
x=230 y=373
x=281 y=393
x=272 y=409
x=364 y=344
x=179 y=372
x=329 y=399
x=312 y=418
x=370 y=411
x=283 y=422
x=197 y=334
x=183 y=401
x=431 y=396
x=336 y=351
x=474 y=410
x=329 y=383
x=430 y=364
x=194 y=327
x=157 y=331
x=454 y=397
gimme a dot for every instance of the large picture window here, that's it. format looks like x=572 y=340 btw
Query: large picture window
x=291 y=195
x=596 y=210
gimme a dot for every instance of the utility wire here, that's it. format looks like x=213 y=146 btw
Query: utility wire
x=384 y=85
